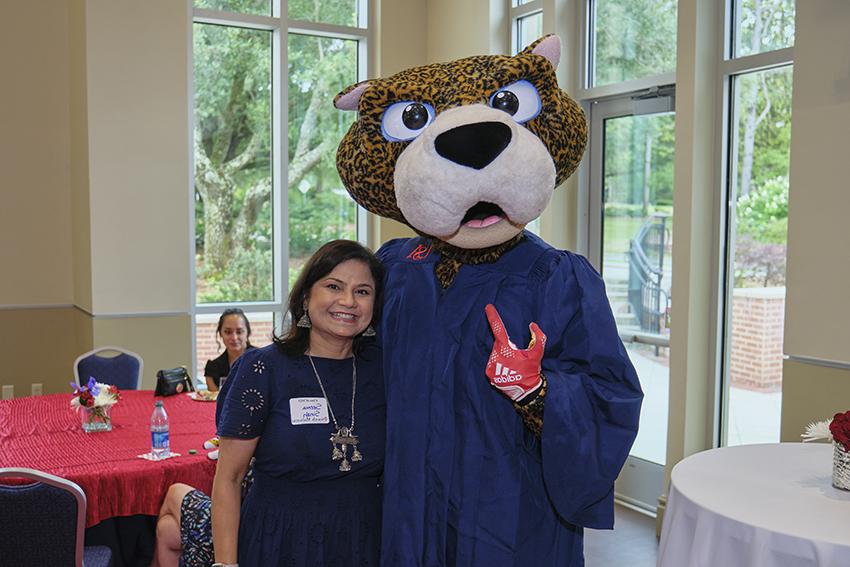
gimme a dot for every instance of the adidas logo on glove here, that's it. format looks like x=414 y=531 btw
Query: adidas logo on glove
x=505 y=375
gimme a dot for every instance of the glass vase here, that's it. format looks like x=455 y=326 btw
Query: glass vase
x=96 y=419
x=840 y=467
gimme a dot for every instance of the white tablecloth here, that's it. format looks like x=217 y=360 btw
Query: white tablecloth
x=756 y=506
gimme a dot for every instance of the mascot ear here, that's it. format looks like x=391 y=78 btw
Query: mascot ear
x=549 y=47
x=349 y=98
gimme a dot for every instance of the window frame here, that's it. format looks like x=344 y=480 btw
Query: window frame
x=517 y=14
x=280 y=26
x=730 y=67
x=587 y=91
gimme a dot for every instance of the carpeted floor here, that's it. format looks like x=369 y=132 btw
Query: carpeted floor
x=632 y=543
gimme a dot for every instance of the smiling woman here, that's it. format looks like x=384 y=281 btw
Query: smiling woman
x=320 y=383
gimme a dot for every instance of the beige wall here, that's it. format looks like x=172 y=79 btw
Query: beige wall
x=35 y=215
x=460 y=28
x=39 y=346
x=79 y=140
x=94 y=175
x=811 y=393
x=138 y=116
x=817 y=307
x=160 y=341
x=818 y=310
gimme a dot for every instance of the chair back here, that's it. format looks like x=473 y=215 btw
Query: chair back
x=43 y=522
x=123 y=370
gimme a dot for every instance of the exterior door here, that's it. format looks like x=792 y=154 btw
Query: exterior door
x=630 y=222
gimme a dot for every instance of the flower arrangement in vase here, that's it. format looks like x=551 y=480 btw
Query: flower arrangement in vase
x=836 y=430
x=94 y=403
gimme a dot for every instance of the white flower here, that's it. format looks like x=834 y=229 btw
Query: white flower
x=817 y=430
x=104 y=397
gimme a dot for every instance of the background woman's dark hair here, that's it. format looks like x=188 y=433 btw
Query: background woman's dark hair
x=296 y=341
x=233 y=311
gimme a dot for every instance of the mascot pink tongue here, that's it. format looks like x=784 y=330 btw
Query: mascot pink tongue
x=496 y=455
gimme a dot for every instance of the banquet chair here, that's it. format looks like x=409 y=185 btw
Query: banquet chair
x=43 y=522
x=123 y=370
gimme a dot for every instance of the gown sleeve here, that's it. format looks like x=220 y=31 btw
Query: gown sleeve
x=247 y=398
x=593 y=397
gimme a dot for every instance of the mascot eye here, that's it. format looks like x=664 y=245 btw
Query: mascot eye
x=404 y=121
x=519 y=99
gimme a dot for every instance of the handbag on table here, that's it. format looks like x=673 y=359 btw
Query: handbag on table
x=173 y=381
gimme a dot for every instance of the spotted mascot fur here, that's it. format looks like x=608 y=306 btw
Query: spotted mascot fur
x=495 y=455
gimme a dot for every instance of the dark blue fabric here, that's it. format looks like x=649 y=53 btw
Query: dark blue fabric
x=301 y=510
x=466 y=483
x=121 y=371
x=97 y=556
x=40 y=527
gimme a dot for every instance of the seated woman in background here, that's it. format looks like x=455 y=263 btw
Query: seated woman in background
x=235 y=330
x=311 y=410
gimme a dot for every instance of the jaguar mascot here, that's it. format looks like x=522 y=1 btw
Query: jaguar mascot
x=496 y=456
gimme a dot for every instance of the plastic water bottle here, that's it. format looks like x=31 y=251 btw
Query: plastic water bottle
x=160 y=447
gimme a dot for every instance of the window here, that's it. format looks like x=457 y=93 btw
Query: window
x=266 y=190
x=631 y=39
x=759 y=137
x=762 y=25
x=528 y=29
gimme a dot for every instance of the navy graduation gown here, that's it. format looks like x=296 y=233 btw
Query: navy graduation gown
x=466 y=483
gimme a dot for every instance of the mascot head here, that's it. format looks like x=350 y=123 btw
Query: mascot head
x=467 y=152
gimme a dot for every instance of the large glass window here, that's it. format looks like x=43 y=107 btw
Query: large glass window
x=761 y=131
x=637 y=250
x=320 y=208
x=528 y=29
x=762 y=25
x=258 y=7
x=233 y=171
x=339 y=12
x=631 y=39
x=759 y=137
x=266 y=190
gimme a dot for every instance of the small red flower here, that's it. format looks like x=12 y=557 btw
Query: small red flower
x=86 y=399
x=840 y=429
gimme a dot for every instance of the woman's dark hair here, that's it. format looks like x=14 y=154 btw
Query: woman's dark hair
x=296 y=340
x=233 y=311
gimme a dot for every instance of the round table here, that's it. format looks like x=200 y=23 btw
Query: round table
x=44 y=433
x=756 y=506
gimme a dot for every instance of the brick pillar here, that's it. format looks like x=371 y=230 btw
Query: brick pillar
x=755 y=357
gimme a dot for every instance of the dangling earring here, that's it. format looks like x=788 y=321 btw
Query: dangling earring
x=304 y=322
x=369 y=332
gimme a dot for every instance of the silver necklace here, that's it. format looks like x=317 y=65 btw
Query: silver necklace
x=343 y=437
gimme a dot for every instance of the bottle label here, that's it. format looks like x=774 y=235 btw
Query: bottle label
x=159 y=439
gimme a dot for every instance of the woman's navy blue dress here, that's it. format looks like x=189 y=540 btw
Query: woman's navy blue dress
x=301 y=510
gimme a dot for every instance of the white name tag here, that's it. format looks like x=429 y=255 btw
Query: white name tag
x=308 y=410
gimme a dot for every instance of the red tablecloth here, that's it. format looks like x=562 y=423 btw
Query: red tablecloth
x=44 y=433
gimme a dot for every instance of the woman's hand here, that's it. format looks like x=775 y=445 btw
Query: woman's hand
x=211 y=385
x=514 y=371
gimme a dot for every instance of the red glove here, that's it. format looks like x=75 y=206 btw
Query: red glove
x=513 y=371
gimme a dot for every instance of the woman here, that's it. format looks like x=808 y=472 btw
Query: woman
x=310 y=409
x=235 y=330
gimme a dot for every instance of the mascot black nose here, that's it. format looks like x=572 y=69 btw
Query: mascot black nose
x=474 y=145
